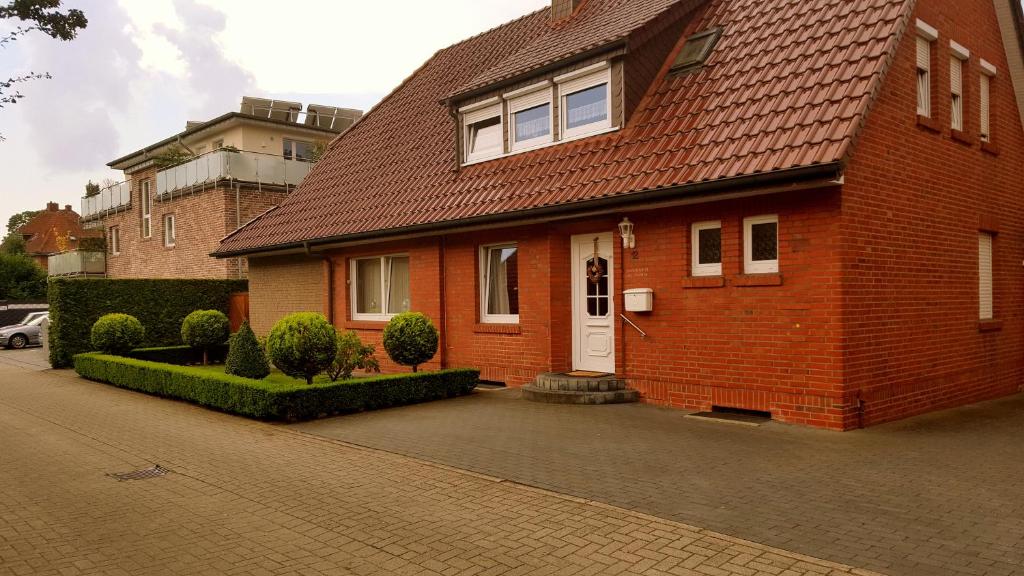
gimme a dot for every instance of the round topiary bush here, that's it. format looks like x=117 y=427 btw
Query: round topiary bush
x=302 y=345
x=117 y=334
x=410 y=339
x=205 y=328
x=245 y=355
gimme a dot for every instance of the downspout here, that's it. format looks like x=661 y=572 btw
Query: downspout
x=238 y=221
x=442 y=248
x=328 y=284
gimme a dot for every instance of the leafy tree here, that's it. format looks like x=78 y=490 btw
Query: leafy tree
x=35 y=15
x=91 y=189
x=21 y=278
x=172 y=157
x=302 y=345
x=352 y=355
x=20 y=219
x=246 y=357
x=13 y=243
x=410 y=339
x=205 y=329
x=117 y=334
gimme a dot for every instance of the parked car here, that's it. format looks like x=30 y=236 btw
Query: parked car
x=24 y=333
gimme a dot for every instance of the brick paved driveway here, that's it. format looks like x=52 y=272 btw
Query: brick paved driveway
x=251 y=498
x=940 y=494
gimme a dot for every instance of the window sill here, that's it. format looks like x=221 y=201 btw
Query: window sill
x=704 y=282
x=497 y=328
x=989 y=148
x=990 y=325
x=961 y=137
x=539 y=146
x=929 y=124
x=366 y=324
x=745 y=280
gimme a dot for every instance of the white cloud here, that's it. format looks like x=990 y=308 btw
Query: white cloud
x=143 y=67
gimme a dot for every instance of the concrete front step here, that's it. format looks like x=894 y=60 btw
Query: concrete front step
x=565 y=383
x=535 y=394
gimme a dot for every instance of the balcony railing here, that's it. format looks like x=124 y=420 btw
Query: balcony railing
x=110 y=199
x=253 y=167
x=77 y=263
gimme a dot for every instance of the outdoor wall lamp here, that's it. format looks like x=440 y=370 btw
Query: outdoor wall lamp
x=628 y=239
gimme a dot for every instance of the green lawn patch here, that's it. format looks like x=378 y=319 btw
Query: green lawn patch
x=278 y=397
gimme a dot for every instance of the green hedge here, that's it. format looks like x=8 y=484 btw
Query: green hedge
x=179 y=355
x=268 y=400
x=161 y=305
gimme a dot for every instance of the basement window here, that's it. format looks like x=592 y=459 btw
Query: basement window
x=380 y=287
x=696 y=50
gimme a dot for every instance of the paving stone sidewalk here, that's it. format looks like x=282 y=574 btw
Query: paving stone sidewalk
x=937 y=495
x=251 y=498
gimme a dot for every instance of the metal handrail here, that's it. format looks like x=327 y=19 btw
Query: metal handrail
x=630 y=322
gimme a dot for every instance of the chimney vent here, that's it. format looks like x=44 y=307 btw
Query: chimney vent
x=562 y=9
x=67 y=207
x=52 y=206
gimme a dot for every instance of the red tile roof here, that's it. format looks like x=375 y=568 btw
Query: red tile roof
x=45 y=229
x=788 y=86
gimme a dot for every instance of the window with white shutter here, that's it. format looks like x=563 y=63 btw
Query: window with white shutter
x=985 y=276
x=956 y=89
x=924 y=77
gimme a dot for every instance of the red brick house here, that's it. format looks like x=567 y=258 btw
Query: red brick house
x=53 y=231
x=814 y=206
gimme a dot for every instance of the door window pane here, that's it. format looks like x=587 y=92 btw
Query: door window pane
x=597 y=291
x=586 y=106
x=533 y=123
x=502 y=280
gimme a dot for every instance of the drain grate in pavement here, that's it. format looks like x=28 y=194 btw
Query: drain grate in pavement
x=737 y=417
x=154 y=471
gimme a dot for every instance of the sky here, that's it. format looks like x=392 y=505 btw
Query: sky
x=142 y=68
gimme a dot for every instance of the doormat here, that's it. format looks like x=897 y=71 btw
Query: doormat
x=586 y=374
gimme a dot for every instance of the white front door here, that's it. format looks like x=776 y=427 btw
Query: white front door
x=593 y=309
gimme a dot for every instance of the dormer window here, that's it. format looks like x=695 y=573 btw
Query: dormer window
x=530 y=114
x=696 y=50
x=483 y=136
x=585 y=100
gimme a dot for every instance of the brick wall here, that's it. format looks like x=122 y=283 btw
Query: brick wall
x=913 y=204
x=202 y=219
x=280 y=285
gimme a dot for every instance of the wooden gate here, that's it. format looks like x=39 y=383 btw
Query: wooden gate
x=238 y=309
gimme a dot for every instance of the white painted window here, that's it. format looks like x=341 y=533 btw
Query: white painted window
x=925 y=36
x=170 y=231
x=380 y=287
x=499 y=284
x=706 y=253
x=530 y=123
x=297 y=150
x=115 y=241
x=958 y=56
x=761 y=244
x=988 y=71
x=985 y=311
x=147 y=209
x=585 y=103
x=483 y=135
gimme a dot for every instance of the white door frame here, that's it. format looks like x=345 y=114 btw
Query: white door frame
x=582 y=247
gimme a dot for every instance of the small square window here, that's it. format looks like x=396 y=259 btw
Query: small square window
x=696 y=50
x=761 y=245
x=707 y=249
x=499 y=284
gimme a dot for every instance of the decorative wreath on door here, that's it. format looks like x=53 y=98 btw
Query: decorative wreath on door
x=595 y=271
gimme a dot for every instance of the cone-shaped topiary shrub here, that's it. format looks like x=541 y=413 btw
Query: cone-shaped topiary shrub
x=302 y=345
x=205 y=328
x=410 y=339
x=117 y=334
x=245 y=355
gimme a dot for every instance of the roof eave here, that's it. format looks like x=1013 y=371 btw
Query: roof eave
x=801 y=174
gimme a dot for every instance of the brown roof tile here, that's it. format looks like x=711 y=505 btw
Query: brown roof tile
x=787 y=86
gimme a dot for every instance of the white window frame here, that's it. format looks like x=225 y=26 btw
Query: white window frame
x=958 y=56
x=988 y=72
x=750 y=266
x=698 y=269
x=524 y=99
x=289 y=150
x=486 y=318
x=115 y=241
x=146 y=199
x=986 y=301
x=925 y=36
x=480 y=112
x=580 y=80
x=170 y=230
x=385 y=286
